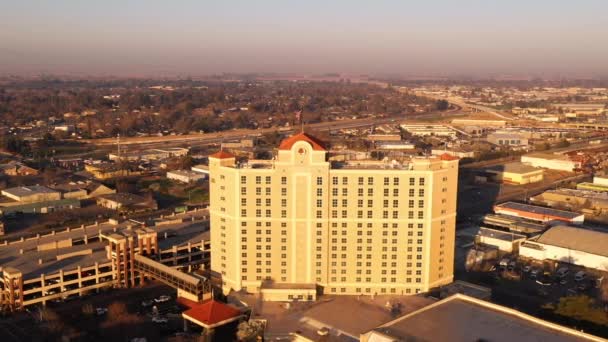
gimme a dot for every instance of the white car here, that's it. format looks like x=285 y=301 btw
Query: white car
x=162 y=299
x=159 y=320
x=101 y=311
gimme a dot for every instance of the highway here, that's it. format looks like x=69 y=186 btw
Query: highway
x=464 y=105
x=217 y=137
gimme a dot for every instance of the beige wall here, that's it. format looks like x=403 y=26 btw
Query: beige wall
x=358 y=246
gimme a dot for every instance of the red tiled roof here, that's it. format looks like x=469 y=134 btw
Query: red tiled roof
x=209 y=312
x=316 y=144
x=221 y=155
x=448 y=157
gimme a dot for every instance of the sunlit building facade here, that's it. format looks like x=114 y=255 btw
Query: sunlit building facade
x=297 y=226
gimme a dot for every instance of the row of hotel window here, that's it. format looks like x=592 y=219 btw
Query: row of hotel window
x=336 y=192
x=335 y=180
x=334 y=203
x=334 y=214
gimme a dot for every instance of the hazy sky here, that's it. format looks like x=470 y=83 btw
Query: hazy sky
x=374 y=36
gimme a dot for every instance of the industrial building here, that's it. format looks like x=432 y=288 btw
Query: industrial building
x=297 y=226
x=514 y=224
x=551 y=161
x=461 y=318
x=507 y=139
x=574 y=199
x=186 y=176
x=516 y=173
x=422 y=130
x=504 y=241
x=78 y=261
x=574 y=245
x=537 y=213
x=31 y=194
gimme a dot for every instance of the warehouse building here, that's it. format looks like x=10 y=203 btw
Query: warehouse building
x=537 y=213
x=186 y=176
x=573 y=199
x=507 y=139
x=574 y=245
x=516 y=173
x=504 y=241
x=31 y=194
x=551 y=161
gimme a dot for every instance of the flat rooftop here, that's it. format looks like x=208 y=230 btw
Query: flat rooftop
x=499 y=234
x=29 y=190
x=178 y=234
x=534 y=209
x=515 y=167
x=462 y=318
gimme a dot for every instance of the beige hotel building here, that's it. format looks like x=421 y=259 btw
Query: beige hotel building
x=299 y=225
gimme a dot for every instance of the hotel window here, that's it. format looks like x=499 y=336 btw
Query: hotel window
x=395 y=192
x=395 y=203
x=421 y=181
x=268 y=213
x=360 y=192
x=344 y=214
x=360 y=203
x=396 y=181
x=319 y=203
x=283 y=180
x=344 y=191
x=421 y=214
x=243 y=201
x=411 y=192
x=386 y=181
x=258 y=179
x=268 y=202
x=395 y=215
x=370 y=192
x=345 y=203
x=334 y=180
x=283 y=202
x=334 y=203
x=420 y=203
x=243 y=212
x=243 y=191
x=360 y=181
x=243 y=179
x=410 y=204
x=370 y=214
x=319 y=180
x=258 y=202
x=268 y=179
x=370 y=203
x=258 y=191
x=334 y=214
x=319 y=192
x=283 y=213
x=370 y=180
x=410 y=214
x=344 y=180
x=412 y=181
x=267 y=191
x=421 y=192
x=385 y=204
x=258 y=213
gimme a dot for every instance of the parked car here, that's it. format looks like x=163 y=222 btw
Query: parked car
x=534 y=272
x=147 y=303
x=159 y=320
x=511 y=266
x=580 y=275
x=162 y=299
x=101 y=311
x=527 y=268
x=562 y=272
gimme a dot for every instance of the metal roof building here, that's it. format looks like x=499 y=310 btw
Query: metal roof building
x=574 y=245
x=537 y=213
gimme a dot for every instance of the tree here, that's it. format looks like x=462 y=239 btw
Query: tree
x=442 y=105
x=581 y=308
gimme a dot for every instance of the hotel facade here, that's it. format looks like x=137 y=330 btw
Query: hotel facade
x=299 y=225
